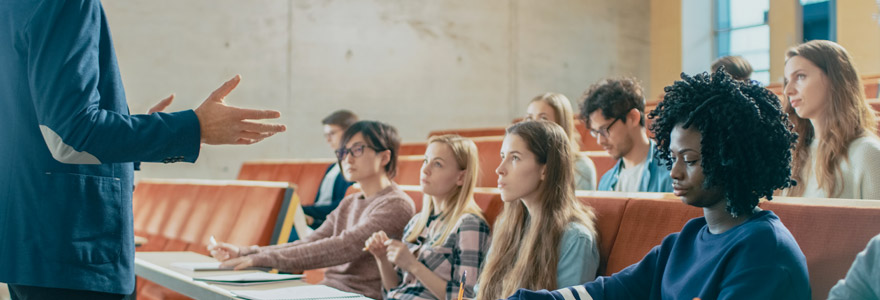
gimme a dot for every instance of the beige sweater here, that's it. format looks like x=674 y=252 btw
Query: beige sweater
x=338 y=244
x=859 y=176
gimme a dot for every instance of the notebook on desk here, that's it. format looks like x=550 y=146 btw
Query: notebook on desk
x=306 y=292
x=209 y=266
x=248 y=278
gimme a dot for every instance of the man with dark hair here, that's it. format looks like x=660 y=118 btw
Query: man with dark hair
x=333 y=186
x=612 y=101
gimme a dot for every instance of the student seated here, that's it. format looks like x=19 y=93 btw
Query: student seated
x=738 y=67
x=447 y=239
x=545 y=237
x=728 y=145
x=838 y=152
x=863 y=279
x=369 y=157
x=333 y=185
x=556 y=108
x=614 y=111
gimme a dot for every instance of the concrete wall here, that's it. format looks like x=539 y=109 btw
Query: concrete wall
x=418 y=65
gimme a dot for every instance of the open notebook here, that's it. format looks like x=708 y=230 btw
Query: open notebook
x=306 y=292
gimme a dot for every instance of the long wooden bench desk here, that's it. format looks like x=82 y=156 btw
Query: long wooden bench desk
x=156 y=267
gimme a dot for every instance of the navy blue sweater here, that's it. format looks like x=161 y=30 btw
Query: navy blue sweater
x=758 y=259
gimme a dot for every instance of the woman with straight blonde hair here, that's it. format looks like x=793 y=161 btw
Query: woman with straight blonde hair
x=838 y=152
x=447 y=239
x=545 y=238
x=556 y=108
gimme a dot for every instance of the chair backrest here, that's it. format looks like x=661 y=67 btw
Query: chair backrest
x=830 y=232
x=409 y=168
x=644 y=224
x=182 y=214
x=471 y=132
x=305 y=174
x=413 y=148
x=489 y=149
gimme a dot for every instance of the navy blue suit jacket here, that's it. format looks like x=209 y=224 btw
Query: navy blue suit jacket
x=68 y=143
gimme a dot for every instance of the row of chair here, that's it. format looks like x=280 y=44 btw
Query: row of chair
x=168 y=212
x=182 y=215
x=830 y=232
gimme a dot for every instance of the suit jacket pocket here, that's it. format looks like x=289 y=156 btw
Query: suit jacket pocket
x=80 y=219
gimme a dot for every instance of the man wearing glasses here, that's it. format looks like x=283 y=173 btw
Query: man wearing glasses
x=614 y=111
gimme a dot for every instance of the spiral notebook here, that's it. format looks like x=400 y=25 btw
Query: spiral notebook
x=306 y=292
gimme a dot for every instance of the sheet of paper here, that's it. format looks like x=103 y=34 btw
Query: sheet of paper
x=307 y=292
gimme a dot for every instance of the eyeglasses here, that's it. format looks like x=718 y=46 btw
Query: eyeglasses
x=603 y=131
x=356 y=151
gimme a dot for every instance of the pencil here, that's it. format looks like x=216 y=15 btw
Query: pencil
x=461 y=286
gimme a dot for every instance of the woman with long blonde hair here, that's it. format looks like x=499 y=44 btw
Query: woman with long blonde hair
x=447 y=238
x=545 y=238
x=556 y=108
x=838 y=152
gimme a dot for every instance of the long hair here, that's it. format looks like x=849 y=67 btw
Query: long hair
x=462 y=200
x=525 y=249
x=849 y=117
x=564 y=115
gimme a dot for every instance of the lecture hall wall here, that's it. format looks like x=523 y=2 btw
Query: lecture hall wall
x=419 y=65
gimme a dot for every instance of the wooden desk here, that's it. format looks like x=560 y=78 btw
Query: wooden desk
x=156 y=267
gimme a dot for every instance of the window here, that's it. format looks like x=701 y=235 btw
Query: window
x=741 y=29
x=819 y=20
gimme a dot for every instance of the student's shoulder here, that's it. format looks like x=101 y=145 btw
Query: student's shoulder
x=865 y=147
x=766 y=234
x=472 y=222
x=576 y=231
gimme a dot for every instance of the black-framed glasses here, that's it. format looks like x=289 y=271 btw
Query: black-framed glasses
x=356 y=151
x=603 y=131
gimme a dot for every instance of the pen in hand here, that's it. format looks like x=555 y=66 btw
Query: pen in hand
x=461 y=285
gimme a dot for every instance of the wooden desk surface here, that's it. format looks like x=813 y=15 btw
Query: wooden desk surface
x=156 y=267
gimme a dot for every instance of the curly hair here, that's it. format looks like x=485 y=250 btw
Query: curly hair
x=747 y=140
x=615 y=97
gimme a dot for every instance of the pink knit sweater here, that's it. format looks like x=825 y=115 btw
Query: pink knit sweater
x=338 y=244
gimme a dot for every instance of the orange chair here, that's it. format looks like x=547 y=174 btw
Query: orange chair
x=409 y=168
x=471 y=132
x=489 y=149
x=417 y=148
x=182 y=214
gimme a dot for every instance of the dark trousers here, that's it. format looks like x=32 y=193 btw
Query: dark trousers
x=23 y=292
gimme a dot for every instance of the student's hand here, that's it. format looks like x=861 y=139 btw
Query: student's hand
x=222 y=124
x=239 y=263
x=224 y=251
x=161 y=105
x=376 y=244
x=309 y=220
x=399 y=255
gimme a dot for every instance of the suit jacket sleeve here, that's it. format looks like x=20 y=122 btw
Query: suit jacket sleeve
x=81 y=106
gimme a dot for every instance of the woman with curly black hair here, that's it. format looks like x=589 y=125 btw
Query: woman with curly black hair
x=727 y=144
